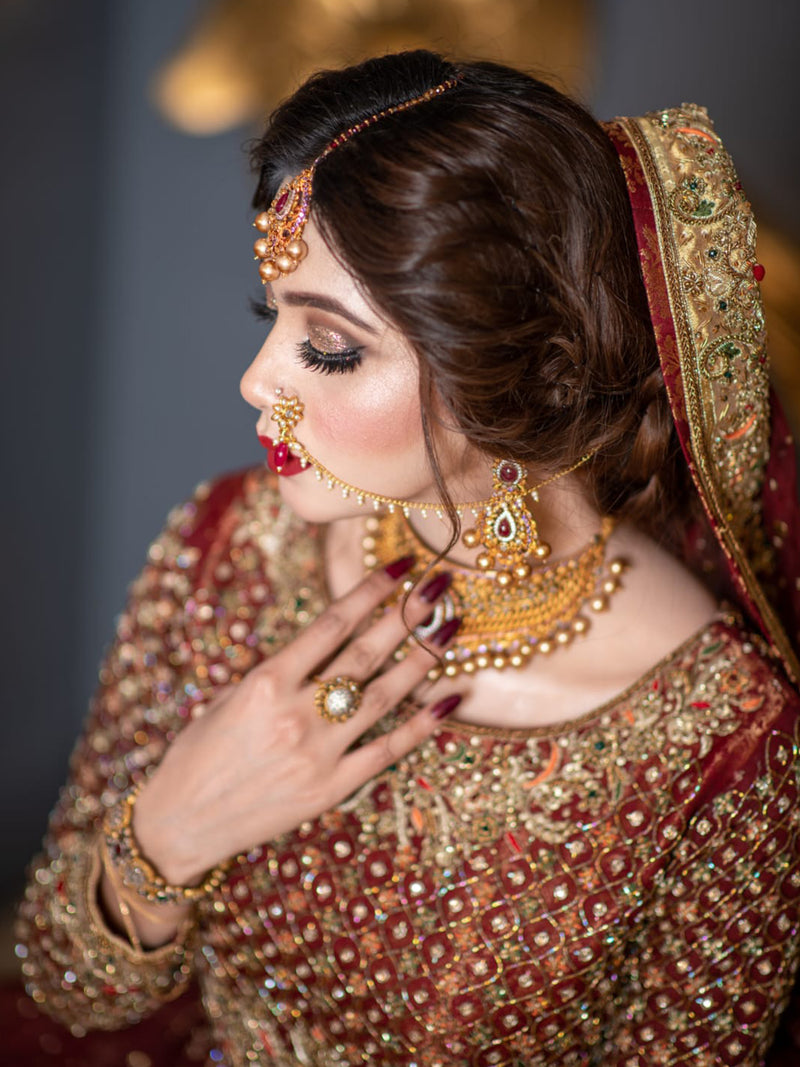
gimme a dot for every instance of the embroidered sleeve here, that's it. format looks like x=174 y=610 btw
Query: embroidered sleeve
x=714 y=965
x=76 y=968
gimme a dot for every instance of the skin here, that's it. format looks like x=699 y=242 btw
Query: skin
x=260 y=760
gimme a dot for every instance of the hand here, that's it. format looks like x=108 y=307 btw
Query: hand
x=261 y=760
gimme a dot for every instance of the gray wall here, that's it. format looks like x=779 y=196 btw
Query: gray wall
x=126 y=275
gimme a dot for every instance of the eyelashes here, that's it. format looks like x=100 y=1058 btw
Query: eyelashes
x=342 y=361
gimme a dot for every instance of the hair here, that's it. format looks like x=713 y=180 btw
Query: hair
x=491 y=225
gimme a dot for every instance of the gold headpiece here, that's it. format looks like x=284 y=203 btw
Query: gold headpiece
x=282 y=246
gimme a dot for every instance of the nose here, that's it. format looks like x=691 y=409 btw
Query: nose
x=259 y=385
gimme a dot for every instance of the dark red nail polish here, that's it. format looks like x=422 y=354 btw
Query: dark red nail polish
x=446 y=632
x=281 y=454
x=398 y=567
x=426 y=621
x=444 y=707
x=435 y=587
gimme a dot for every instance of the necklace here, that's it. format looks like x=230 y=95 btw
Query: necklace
x=501 y=626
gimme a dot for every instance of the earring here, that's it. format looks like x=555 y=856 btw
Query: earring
x=506 y=529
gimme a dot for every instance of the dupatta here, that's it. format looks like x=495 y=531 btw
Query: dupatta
x=696 y=236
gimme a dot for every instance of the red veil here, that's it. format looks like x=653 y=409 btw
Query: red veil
x=696 y=236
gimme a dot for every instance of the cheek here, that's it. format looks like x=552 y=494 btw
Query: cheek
x=383 y=418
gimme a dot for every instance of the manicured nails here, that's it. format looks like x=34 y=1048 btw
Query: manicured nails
x=398 y=567
x=446 y=633
x=435 y=587
x=444 y=707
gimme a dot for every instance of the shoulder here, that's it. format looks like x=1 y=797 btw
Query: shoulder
x=232 y=525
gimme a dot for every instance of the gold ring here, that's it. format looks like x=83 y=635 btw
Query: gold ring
x=338 y=699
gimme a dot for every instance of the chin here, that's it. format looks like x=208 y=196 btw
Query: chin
x=315 y=503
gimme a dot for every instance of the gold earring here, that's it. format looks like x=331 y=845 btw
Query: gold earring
x=507 y=530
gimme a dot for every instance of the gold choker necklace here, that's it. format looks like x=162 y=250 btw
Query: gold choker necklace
x=501 y=626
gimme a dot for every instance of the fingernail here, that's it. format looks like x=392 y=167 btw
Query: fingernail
x=444 y=707
x=435 y=587
x=446 y=632
x=427 y=621
x=398 y=567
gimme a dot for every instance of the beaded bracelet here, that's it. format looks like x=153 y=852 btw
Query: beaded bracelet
x=135 y=872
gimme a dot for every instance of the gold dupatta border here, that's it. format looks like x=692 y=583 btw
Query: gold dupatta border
x=696 y=237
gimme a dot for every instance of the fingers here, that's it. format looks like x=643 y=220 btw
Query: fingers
x=370 y=650
x=332 y=628
x=364 y=763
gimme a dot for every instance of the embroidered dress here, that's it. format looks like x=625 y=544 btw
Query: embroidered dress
x=621 y=889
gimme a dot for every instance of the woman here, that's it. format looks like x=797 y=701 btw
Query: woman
x=370 y=758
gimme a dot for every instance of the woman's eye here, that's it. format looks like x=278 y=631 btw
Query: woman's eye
x=328 y=362
x=328 y=351
x=264 y=312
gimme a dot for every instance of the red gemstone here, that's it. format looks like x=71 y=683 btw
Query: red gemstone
x=504 y=528
x=280 y=203
x=509 y=473
x=758 y=271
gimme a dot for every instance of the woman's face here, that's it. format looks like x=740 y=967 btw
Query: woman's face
x=358 y=381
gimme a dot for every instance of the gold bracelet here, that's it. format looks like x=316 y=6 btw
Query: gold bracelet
x=135 y=872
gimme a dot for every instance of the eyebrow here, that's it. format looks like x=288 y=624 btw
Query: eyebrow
x=326 y=303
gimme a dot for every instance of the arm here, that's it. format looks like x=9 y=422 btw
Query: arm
x=718 y=950
x=80 y=965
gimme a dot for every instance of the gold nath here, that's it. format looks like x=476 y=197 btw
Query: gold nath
x=287 y=411
x=501 y=627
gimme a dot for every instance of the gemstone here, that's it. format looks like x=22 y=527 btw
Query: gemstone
x=280 y=203
x=509 y=473
x=504 y=527
x=758 y=271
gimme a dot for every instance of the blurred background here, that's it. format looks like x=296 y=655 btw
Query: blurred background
x=125 y=223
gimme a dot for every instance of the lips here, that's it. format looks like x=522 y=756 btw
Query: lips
x=290 y=466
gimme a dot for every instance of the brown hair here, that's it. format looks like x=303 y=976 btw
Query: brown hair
x=491 y=225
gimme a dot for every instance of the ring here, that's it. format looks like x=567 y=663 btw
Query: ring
x=338 y=699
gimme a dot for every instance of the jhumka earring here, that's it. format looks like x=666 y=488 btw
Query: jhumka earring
x=282 y=247
x=507 y=529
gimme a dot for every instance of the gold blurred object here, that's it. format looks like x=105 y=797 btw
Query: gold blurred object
x=780 y=290
x=243 y=56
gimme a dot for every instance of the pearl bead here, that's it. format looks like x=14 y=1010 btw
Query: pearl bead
x=468 y=667
x=522 y=570
x=545 y=648
x=563 y=637
x=262 y=222
x=470 y=538
x=434 y=674
x=297 y=249
x=285 y=264
x=451 y=670
x=580 y=625
x=616 y=566
x=499 y=663
x=542 y=550
x=610 y=585
x=503 y=579
x=598 y=603
x=481 y=662
x=261 y=247
x=484 y=561
x=516 y=660
x=526 y=650
x=268 y=271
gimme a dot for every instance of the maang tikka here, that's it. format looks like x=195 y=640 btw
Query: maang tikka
x=282 y=247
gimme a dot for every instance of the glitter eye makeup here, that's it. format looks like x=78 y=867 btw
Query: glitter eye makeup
x=327 y=351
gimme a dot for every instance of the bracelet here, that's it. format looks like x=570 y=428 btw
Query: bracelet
x=135 y=872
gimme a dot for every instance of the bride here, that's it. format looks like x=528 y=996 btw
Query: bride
x=463 y=731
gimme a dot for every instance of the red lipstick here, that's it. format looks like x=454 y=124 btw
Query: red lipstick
x=280 y=459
